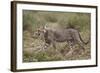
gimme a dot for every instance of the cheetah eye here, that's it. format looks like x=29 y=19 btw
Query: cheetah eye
x=38 y=34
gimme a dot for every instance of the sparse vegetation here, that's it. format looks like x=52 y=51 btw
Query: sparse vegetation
x=32 y=47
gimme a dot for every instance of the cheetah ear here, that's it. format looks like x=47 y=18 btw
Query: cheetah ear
x=44 y=31
x=45 y=27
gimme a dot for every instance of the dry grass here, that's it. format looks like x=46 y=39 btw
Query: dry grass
x=33 y=51
x=33 y=48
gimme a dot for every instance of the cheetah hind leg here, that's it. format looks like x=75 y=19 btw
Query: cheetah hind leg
x=71 y=46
